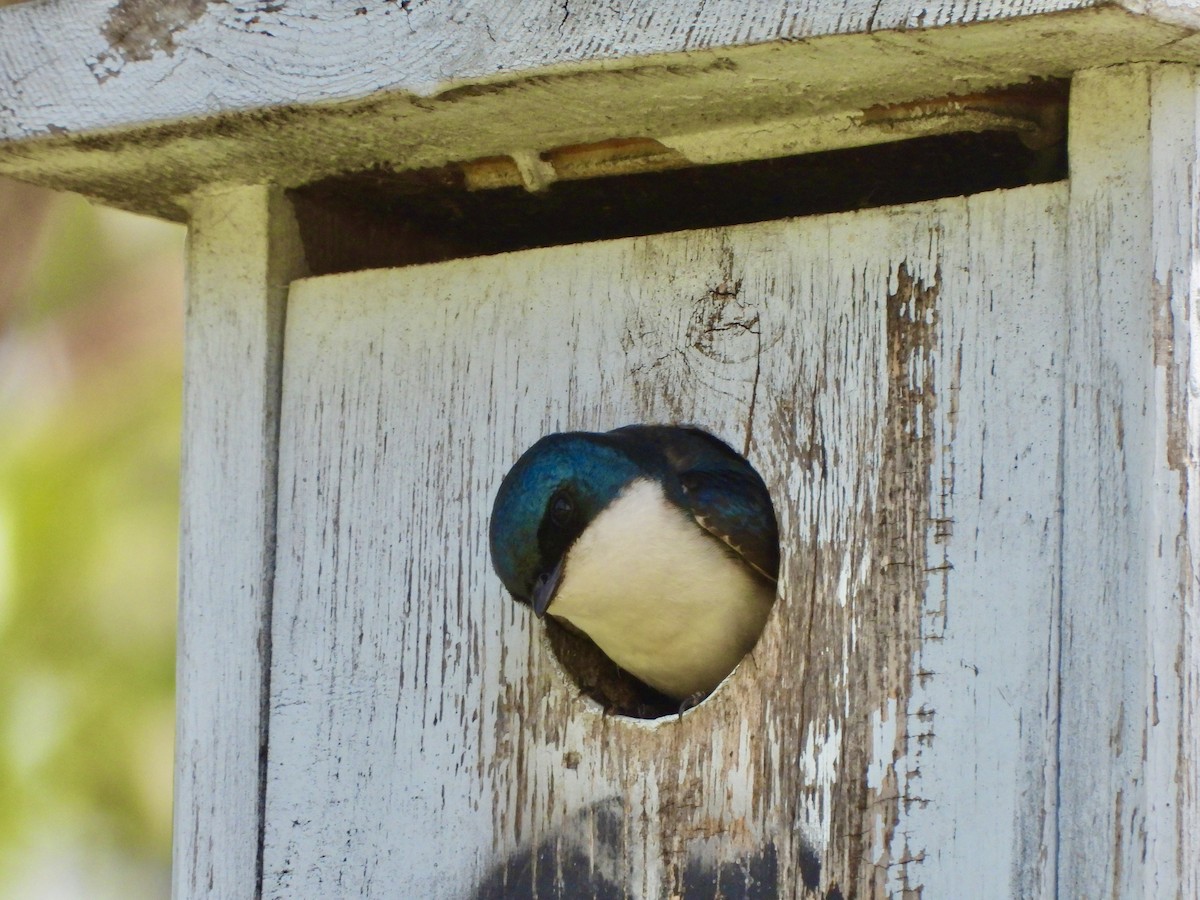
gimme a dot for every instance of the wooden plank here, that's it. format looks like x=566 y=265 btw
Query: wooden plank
x=288 y=93
x=864 y=361
x=978 y=773
x=242 y=251
x=1129 y=813
x=395 y=47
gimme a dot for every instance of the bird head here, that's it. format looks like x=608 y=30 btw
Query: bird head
x=546 y=501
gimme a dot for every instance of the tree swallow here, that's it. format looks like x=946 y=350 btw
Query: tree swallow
x=658 y=542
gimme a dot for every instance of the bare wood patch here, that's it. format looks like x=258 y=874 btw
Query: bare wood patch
x=893 y=599
x=137 y=29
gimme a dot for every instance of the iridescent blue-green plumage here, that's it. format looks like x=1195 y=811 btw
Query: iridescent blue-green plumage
x=590 y=463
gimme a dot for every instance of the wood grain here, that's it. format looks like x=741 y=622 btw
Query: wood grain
x=1130 y=793
x=243 y=250
x=895 y=375
x=418 y=47
x=140 y=104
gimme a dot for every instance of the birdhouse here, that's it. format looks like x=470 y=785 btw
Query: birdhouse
x=931 y=269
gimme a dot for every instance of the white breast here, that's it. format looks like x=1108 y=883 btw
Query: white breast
x=664 y=600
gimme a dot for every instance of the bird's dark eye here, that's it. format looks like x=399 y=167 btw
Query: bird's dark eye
x=561 y=508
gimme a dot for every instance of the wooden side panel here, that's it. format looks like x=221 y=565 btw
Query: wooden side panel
x=1130 y=800
x=243 y=250
x=896 y=714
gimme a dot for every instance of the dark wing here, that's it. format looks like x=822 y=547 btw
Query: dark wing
x=717 y=485
x=681 y=447
x=734 y=505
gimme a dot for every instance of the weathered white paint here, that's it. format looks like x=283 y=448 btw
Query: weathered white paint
x=139 y=104
x=895 y=716
x=976 y=769
x=983 y=675
x=185 y=59
x=242 y=252
x=1130 y=735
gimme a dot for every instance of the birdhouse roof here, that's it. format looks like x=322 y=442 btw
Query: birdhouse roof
x=140 y=103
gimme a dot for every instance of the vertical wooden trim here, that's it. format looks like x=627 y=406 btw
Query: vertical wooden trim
x=1128 y=813
x=243 y=250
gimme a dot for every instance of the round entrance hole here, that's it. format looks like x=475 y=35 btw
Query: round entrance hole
x=650 y=551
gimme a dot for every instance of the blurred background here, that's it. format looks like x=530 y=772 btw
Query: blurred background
x=91 y=321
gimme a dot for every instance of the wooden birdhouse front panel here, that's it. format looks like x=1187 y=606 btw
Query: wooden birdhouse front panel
x=975 y=406
x=424 y=739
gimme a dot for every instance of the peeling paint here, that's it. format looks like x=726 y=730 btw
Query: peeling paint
x=1175 y=413
x=137 y=29
x=885 y=734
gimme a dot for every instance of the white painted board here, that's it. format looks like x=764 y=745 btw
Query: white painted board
x=1130 y=745
x=82 y=64
x=243 y=250
x=895 y=374
x=139 y=104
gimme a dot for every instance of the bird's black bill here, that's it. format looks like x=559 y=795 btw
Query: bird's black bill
x=545 y=588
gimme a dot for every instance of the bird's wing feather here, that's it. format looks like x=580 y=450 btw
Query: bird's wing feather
x=733 y=505
x=722 y=491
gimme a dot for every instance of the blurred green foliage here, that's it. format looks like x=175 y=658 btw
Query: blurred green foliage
x=90 y=359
